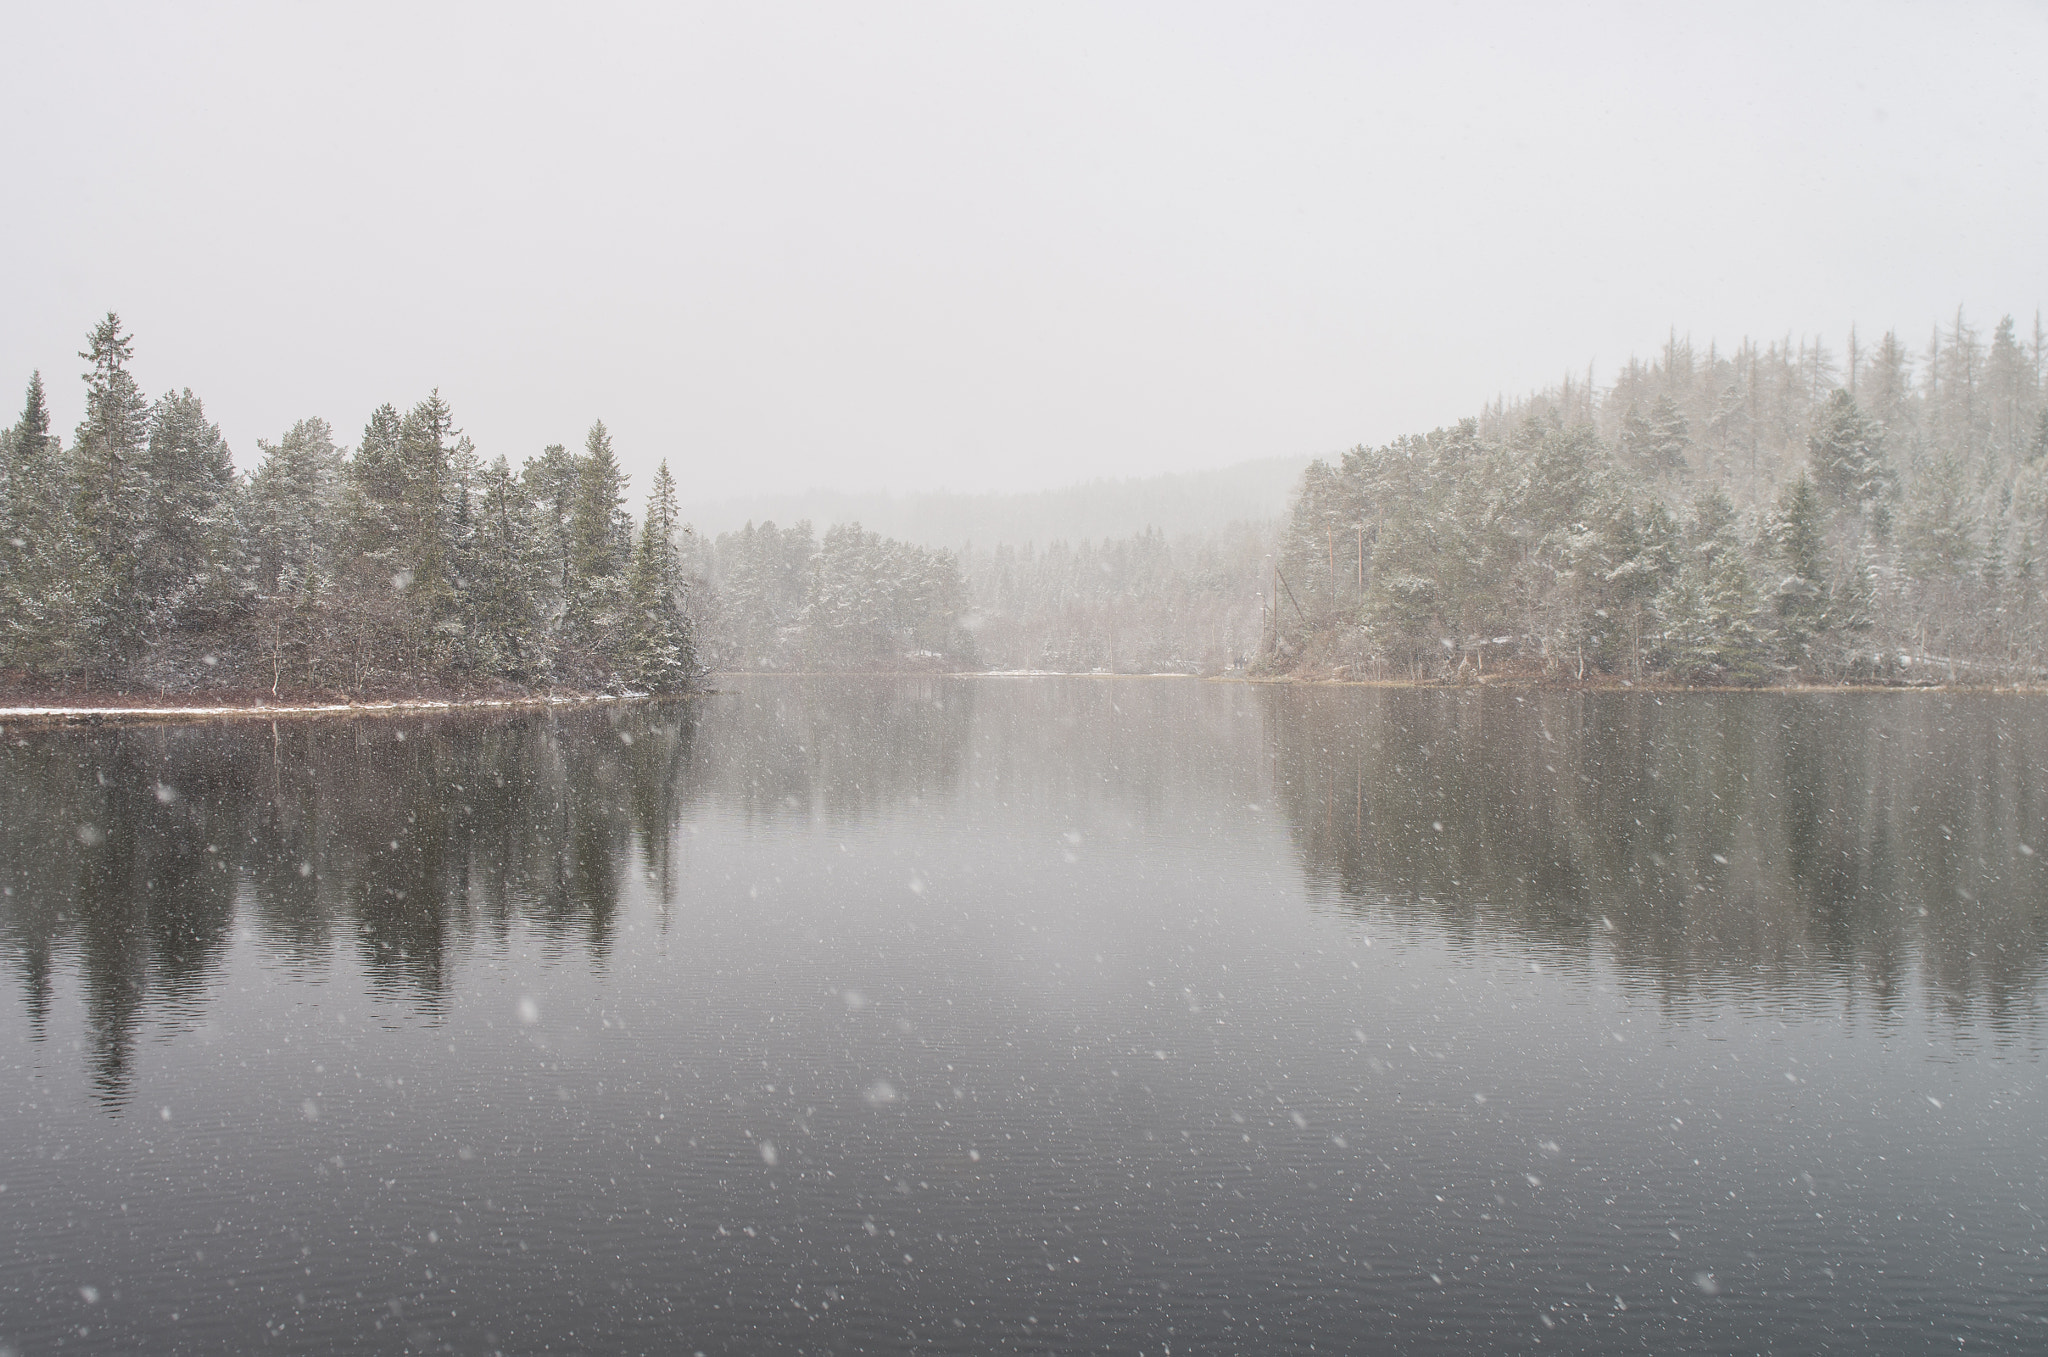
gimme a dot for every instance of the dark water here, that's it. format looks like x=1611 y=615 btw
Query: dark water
x=1035 y=1015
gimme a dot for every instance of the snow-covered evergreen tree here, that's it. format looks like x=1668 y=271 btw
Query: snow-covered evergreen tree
x=50 y=580
x=508 y=580
x=660 y=655
x=188 y=544
x=108 y=458
x=600 y=550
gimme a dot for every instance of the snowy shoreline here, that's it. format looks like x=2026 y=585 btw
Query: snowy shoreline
x=269 y=711
x=171 y=711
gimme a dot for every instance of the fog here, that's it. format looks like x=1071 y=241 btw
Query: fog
x=909 y=247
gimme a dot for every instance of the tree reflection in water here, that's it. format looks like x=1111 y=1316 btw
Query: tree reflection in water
x=1768 y=847
x=1757 y=848
x=140 y=849
x=401 y=839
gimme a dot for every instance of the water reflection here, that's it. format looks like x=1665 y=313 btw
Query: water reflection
x=1837 y=849
x=1048 y=1015
x=401 y=840
x=1760 y=847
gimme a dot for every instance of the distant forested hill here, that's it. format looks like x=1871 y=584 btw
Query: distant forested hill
x=1146 y=575
x=1763 y=513
x=1180 y=504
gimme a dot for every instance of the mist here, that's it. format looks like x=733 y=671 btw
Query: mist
x=911 y=248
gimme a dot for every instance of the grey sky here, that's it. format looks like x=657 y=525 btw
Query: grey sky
x=986 y=246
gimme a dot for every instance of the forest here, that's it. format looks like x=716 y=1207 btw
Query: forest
x=1765 y=514
x=138 y=560
x=775 y=598
x=1770 y=513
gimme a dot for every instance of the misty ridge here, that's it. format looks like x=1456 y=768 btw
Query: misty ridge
x=1769 y=513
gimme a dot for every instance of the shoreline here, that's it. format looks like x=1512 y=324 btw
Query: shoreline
x=125 y=707
x=1536 y=685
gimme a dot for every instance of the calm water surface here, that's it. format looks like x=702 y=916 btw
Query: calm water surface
x=1033 y=1015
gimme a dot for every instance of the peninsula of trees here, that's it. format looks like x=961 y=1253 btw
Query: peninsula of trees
x=1766 y=514
x=138 y=560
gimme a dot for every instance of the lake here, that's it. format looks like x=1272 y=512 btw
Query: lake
x=1033 y=1014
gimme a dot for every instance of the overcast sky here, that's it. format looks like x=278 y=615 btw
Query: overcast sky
x=981 y=246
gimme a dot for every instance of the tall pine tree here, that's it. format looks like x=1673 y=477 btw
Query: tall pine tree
x=108 y=455
x=661 y=655
x=50 y=585
x=600 y=546
x=187 y=548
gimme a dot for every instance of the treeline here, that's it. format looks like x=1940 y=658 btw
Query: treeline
x=775 y=598
x=1138 y=604
x=1767 y=514
x=137 y=558
x=779 y=598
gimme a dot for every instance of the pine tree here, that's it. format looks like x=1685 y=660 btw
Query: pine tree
x=401 y=512
x=293 y=505
x=847 y=615
x=23 y=442
x=187 y=547
x=1709 y=616
x=427 y=521
x=1669 y=436
x=1637 y=438
x=108 y=454
x=1846 y=454
x=602 y=531
x=1635 y=557
x=294 y=502
x=508 y=582
x=24 y=457
x=661 y=655
x=600 y=549
x=550 y=481
x=291 y=512
x=1796 y=532
x=376 y=488
x=1940 y=531
x=49 y=579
